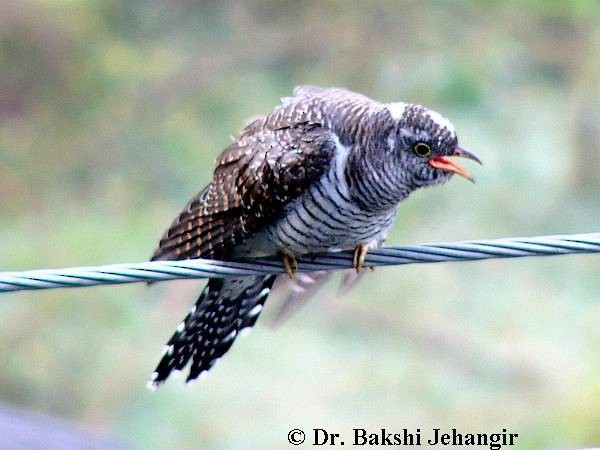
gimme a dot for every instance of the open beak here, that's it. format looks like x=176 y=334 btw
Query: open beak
x=444 y=163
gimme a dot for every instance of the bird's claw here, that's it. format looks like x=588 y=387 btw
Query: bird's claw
x=291 y=265
x=360 y=253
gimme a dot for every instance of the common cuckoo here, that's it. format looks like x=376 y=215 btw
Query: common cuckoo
x=325 y=170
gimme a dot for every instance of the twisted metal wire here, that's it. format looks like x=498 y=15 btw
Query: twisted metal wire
x=203 y=268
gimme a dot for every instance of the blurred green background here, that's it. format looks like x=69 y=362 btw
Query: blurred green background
x=111 y=114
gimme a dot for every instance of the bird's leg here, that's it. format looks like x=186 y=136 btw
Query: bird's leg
x=291 y=265
x=360 y=253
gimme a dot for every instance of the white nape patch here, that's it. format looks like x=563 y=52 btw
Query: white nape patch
x=441 y=121
x=396 y=109
x=391 y=140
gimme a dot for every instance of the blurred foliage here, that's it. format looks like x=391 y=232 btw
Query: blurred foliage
x=111 y=114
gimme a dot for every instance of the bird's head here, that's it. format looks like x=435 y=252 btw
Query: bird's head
x=422 y=141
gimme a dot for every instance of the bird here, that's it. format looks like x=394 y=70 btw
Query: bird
x=326 y=170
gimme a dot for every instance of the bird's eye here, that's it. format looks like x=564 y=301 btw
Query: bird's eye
x=422 y=149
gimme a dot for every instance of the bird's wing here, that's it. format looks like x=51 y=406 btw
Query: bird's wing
x=274 y=160
x=299 y=292
x=305 y=287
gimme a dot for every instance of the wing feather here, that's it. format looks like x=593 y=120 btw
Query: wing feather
x=273 y=161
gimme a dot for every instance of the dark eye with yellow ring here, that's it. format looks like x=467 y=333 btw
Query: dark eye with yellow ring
x=421 y=149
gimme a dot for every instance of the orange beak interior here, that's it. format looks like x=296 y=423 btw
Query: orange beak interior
x=446 y=164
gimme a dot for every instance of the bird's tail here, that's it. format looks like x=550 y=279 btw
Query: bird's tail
x=226 y=307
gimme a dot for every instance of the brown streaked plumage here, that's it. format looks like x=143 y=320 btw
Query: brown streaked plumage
x=272 y=162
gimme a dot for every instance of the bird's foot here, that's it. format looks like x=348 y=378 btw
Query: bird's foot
x=360 y=253
x=291 y=265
